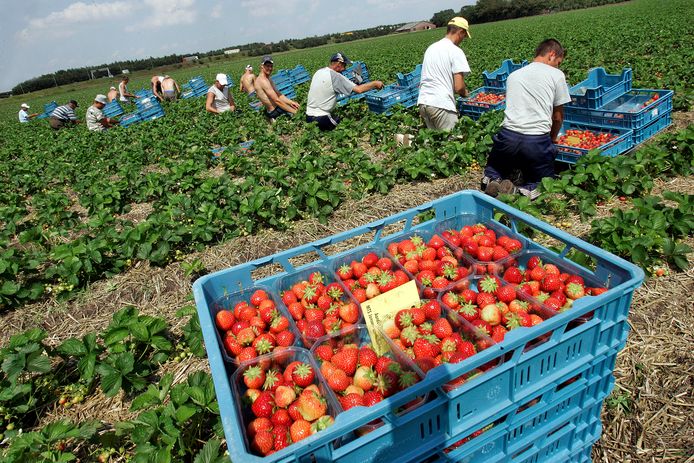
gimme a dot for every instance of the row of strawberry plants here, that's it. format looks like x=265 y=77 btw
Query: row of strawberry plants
x=173 y=420
x=649 y=230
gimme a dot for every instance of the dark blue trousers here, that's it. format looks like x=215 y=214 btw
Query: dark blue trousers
x=533 y=154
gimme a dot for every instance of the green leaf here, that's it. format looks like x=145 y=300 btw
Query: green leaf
x=72 y=347
x=211 y=452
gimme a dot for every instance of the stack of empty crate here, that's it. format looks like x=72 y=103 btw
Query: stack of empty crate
x=148 y=108
x=359 y=74
x=194 y=88
x=283 y=80
x=494 y=84
x=299 y=75
x=607 y=103
x=382 y=101
x=48 y=108
x=112 y=109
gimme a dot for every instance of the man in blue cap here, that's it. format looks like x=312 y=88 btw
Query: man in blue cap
x=326 y=84
x=276 y=103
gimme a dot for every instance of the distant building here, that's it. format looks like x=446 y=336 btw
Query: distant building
x=125 y=71
x=190 y=59
x=416 y=26
x=232 y=51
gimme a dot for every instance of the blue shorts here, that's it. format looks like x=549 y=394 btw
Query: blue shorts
x=324 y=122
x=277 y=112
x=533 y=155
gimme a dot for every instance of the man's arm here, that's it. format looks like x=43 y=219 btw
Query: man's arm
x=368 y=86
x=154 y=91
x=557 y=121
x=277 y=98
x=208 y=104
x=459 y=84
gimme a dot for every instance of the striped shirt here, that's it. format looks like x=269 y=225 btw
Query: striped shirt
x=64 y=113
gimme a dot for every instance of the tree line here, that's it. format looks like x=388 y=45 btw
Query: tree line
x=69 y=76
x=496 y=10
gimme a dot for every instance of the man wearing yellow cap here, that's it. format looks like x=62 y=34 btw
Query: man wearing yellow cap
x=443 y=75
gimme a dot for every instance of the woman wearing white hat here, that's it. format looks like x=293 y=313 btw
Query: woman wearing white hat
x=24 y=115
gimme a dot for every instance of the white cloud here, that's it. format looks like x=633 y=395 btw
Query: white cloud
x=278 y=8
x=165 y=13
x=58 y=23
x=217 y=11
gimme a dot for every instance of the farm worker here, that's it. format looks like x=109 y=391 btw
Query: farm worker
x=443 y=74
x=219 y=100
x=326 y=84
x=534 y=114
x=64 y=115
x=112 y=94
x=24 y=115
x=165 y=88
x=96 y=121
x=123 y=90
x=276 y=104
x=248 y=81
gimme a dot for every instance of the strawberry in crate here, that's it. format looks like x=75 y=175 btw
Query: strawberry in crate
x=253 y=327
x=483 y=246
x=354 y=371
x=319 y=306
x=546 y=282
x=429 y=338
x=494 y=308
x=371 y=276
x=282 y=402
x=431 y=262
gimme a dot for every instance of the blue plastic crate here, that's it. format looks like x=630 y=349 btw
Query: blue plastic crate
x=299 y=75
x=112 y=109
x=411 y=78
x=497 y=79
x=526 y=370
x=629 y=111
x=130 y=119
x=600 y=88
x=281 y=77
x=653 y=128
x=154 y=112
x=42 y=116
x=358 y=72
x=475 y=109
x=390 y=95
x=49 y=107
x=147 y=102
x=615 y=147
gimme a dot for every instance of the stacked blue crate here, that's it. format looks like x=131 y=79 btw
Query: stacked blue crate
x=299 y=75
x=498 y=78
x=48 y=108
x=411 y=79
x=391 y=95
x=359 y=74
x=645 y=111
x=112 y=109
x=149 y=108
x=600 y=88
x=474 y=109
x=194 y=88
x=130 y=119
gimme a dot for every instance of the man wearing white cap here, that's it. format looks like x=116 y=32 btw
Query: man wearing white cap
x=112 y=94
x=24 y=115
x=95 y=117
x=248 y=81
x=219 y=100
x=443 y=75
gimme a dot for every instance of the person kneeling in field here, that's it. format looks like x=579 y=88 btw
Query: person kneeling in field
x=326 y=84
x=219 y=100
x=276 y=104
x=64 y=115
x=534 y=114
x=96 y=121
x=165 y=88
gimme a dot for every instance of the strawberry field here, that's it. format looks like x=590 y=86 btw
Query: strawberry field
x=103 y=233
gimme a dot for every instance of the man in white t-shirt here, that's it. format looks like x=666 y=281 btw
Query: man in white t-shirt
x=24 y=115
x=326 y=84
x=219 y=100
x=443 y=75
x=534 y=114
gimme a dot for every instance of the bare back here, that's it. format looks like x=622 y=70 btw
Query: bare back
x=248 y=83
x=168 y=84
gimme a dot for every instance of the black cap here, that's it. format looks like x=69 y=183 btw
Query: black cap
x=73 y=102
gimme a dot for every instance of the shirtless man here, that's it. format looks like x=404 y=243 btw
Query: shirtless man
x=112 y=94
x=165 y=88
x=276 y=104
x=248 y=81
x=123 y=90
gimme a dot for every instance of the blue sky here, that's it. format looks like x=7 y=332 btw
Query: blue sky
x=39 y=37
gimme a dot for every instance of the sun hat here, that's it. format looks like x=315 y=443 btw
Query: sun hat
x=460 y=22
x=25 y=106
x=222 y=79
x=101 y=99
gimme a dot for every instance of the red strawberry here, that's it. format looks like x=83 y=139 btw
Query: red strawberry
x=314 y=329
x=451 y=300
x=281 y=434
x=303 y=375
x=344 y=272
x=574 y=291
x=285 y=338
x=422 y=348
x=263 y=405
x=254 y=377
x=390 y=329
x=349 y=312
x=370 y=259
x=506 y=293
x=513 y=275
x=550 y=283
x=499 y=253
x=359 y=294
x=346 y=360
x=489 y=284
x=442 y=328
x=232 y=346
x=469 y=311
x=485 y=299
x=372 y=398
x=284 y=396
x=258 y=296
x=224 y=320
x=300 y=429
x=263 y=442
x=351 y=400
x=247 y=353
x=364 y=378
x=257 y=425
x=432 y=309
x=311 y=405
x=382 y=365
x=367 y=357
x=324 y=352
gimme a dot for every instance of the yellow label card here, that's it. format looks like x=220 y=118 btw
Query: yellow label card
x=385 y=306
